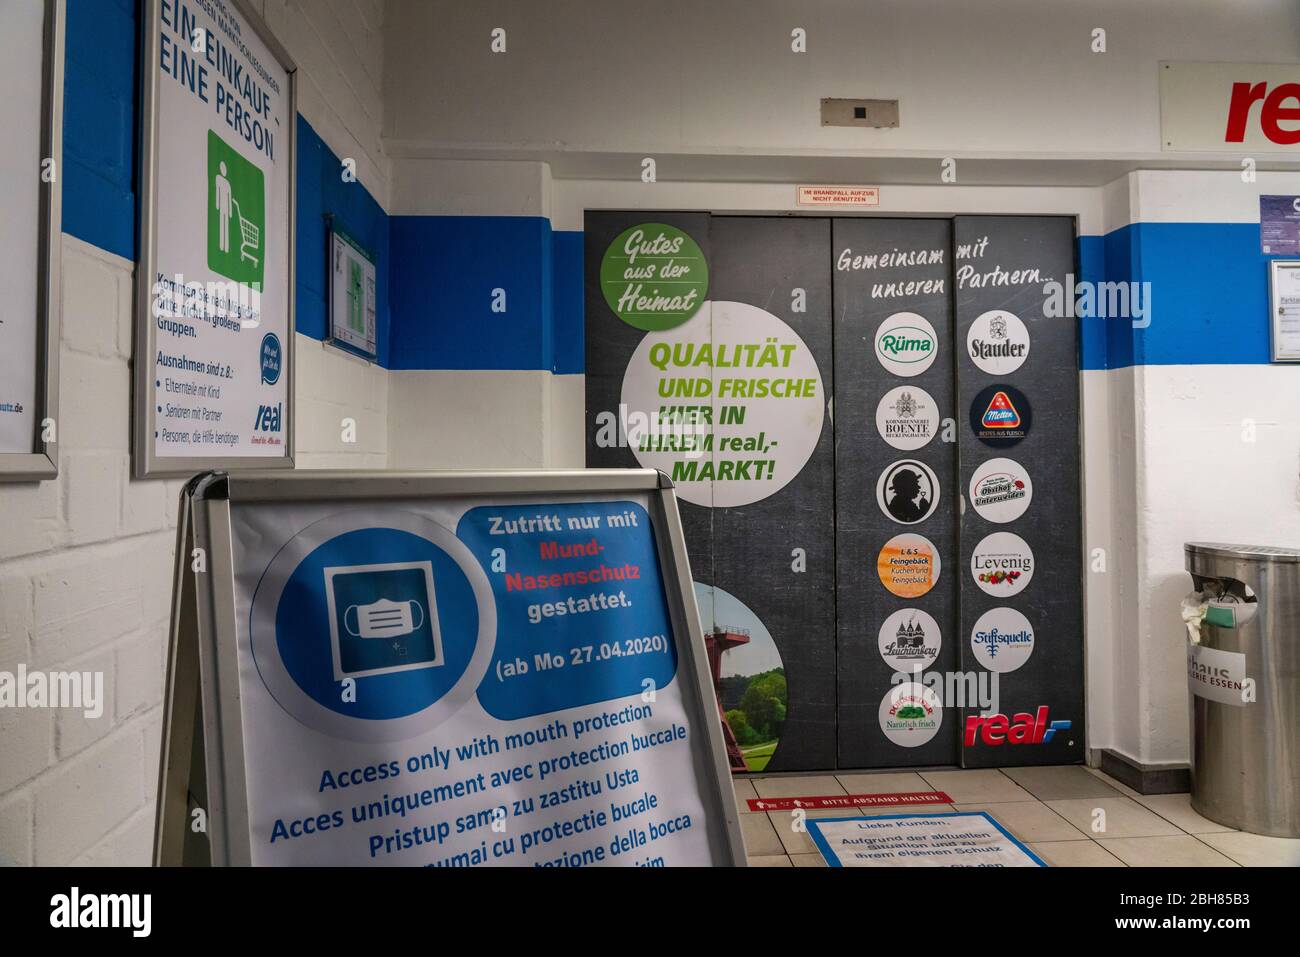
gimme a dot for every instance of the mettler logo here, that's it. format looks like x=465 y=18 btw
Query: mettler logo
x=269 y=417
x=1001 y=413
x=1023 y=728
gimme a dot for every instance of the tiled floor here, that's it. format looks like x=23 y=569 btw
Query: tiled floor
x=1069 y=816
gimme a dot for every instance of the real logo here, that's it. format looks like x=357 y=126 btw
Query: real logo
x=1022 y=728
x=269 y=417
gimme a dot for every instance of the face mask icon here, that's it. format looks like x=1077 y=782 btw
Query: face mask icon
x=384 y=619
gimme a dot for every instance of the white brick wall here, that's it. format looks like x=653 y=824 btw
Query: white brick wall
x=86 y=560
x=338 y=46
x=85 y=583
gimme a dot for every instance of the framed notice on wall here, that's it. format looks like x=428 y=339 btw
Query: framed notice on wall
x=215 y=287
x=352 y=294
x=1284 y=309
x=31 y=58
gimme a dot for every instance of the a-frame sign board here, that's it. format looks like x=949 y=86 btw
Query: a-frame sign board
x=452 y=668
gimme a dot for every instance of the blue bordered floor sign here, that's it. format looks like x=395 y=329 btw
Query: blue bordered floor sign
x=958 y=839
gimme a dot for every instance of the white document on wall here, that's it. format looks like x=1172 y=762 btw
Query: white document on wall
x=352 y=294
x=22 y=49
x=1284 y=303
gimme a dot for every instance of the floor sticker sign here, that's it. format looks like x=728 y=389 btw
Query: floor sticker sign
x=964 y=839
x=832 y=801
x=215 y=288
x=478 y=676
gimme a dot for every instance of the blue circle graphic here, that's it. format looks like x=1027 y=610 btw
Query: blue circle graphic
x=385 y=607
x=270 y=357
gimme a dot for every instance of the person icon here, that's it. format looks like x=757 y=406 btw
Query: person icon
x=222 y=202
x=907 y=503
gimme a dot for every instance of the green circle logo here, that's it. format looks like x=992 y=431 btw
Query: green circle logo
x=654 y=276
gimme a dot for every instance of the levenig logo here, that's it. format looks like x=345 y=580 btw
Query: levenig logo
x=1023 y=728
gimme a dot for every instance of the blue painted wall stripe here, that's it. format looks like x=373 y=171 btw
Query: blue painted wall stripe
x=99 y=124
x=1208 y=295
x=321 y=191
x=568 y=326
x=445 y=269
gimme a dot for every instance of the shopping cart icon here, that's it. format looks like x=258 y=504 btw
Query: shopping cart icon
x=250 y=235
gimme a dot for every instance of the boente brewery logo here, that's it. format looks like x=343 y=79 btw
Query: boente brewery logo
x=907 y=417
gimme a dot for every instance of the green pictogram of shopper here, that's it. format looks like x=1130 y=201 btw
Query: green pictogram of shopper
x=236 y=213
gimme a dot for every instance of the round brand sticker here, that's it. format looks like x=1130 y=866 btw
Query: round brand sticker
x=1002 y=564
x=729 y=405
x=906 y=344
x=907 y=417
x=654 y=276
x=908 y=491
x=909 y=639
x=998 y=342
x=910 y=714
x=1002 y=640
x=908 y=565
x=1000 y=490
x=1000 y=415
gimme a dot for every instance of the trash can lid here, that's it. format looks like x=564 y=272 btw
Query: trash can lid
x=1252 y=553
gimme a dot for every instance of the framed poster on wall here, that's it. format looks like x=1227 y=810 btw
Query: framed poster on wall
x=215 y=282
x=352 y=294
x=31 y=57
x=1284 y=309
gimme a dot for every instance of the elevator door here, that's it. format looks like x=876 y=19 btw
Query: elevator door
x=872 y=424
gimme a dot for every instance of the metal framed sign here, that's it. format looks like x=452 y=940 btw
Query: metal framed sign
x=352 y=300
x=439 y=668
x=31 y=49
x=215 y=283
x=1284 y=309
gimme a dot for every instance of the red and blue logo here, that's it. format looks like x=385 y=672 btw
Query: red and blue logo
x=1001 y=413
x=1022 y=728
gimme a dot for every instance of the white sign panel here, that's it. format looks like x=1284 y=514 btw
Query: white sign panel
x=220 y=294
x=1216 y=675
x=22 y=52
x=1243 y=108
x=1284 y=305
x=352 y=294
x=966 y=839
x=467 y=681
x=838 y=195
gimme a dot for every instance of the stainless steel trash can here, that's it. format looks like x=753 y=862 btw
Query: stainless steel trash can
x=1244 y=678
